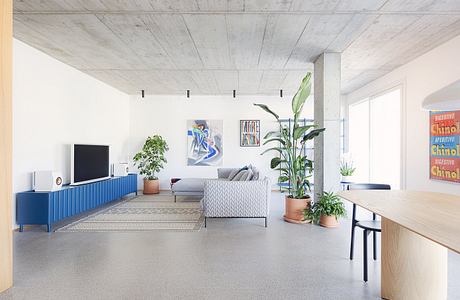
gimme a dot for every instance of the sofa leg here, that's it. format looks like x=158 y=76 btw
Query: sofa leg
x=265 y=222
x=205 y=222
x=175 y=198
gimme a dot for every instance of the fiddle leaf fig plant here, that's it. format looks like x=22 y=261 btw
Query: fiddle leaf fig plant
x=150 y=160
x=294 y=166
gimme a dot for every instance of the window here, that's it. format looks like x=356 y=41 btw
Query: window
x=375 y=138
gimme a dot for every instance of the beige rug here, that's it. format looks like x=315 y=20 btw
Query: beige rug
x=143 y=213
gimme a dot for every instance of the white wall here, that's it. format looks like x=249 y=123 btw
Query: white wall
x=168 y=115
x=419 y=78
x=55 y=105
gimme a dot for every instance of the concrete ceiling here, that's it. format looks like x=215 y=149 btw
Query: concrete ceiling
x=215 y=46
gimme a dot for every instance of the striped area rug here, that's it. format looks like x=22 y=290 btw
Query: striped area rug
x=142 y=213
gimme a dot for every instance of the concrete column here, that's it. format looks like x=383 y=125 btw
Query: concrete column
x=327 y=114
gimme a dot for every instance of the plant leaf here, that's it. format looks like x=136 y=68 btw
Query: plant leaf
x=272 y=134
x=283 y=179
x=275 y=140
x=275 y=162
x=301 y=96
x=312 y=134
x=300 y=131
x=273 y=149
x=265 y=107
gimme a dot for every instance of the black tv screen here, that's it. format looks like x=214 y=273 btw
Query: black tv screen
x=90 y=162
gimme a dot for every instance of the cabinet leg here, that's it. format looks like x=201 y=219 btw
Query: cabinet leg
x=21 y=228
x=48 y=227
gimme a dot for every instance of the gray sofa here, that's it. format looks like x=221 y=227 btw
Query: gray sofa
x=236 y=199
x=228 y=199
x=195 y=186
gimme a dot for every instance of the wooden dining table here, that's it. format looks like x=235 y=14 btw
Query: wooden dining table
x=417 y=229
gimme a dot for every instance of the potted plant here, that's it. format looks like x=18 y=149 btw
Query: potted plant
x=150 y=161
x=326 y=210
x=295 y=167
x=346 y=170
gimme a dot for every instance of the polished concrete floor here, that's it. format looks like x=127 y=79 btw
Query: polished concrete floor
x=231 y=259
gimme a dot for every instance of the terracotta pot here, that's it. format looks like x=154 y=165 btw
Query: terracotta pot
x=294 y=209
x=151 y=186
x=328 y=221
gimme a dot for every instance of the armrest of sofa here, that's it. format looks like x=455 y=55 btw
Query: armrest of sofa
x=224 y=198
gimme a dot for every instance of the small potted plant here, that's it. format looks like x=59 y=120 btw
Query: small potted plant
x=326 y=210
x=346 y=170
x=150 y=161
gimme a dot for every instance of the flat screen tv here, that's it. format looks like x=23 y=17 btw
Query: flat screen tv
x=89 y=163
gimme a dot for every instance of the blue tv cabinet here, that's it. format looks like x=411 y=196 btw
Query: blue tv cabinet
x=47 y=208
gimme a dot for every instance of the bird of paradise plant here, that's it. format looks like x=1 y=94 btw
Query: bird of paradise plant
x=294 y=166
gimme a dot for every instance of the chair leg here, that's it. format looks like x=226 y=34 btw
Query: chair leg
x=175 y=198
x=265 y=222
x=365 y=233
x=205 y=222
x=375 y=244
x=352 y=240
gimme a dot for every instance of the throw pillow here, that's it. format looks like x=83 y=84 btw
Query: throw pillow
x=241 y=176
x=249 y=176
x=238 y=176
x=255 y=173
x=233 y=173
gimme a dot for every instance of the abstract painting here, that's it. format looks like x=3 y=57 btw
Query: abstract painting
x=249 y=133
x=205 y=143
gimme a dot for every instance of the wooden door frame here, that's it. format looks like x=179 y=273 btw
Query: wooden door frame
x=6 y=233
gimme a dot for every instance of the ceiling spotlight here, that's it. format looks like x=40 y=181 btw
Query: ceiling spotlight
x=188 y=93
x=143 y=93
x=234 y=93
x=281 y=93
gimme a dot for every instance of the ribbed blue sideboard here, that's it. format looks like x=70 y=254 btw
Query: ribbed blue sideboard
x=47 y=208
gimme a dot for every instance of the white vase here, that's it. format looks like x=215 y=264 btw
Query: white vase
x=347 y=178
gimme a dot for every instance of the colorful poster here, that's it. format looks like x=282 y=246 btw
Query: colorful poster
x=205 y=144
x=445 y=146
x=249 y=133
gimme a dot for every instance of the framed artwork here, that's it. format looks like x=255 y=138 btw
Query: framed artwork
x=249 y=133
x=204 y=142
x=445 y=146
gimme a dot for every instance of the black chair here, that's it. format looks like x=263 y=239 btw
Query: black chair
x=368 y=226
